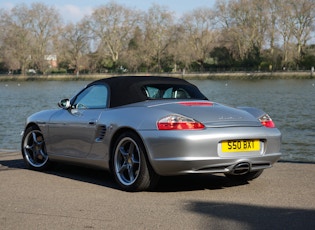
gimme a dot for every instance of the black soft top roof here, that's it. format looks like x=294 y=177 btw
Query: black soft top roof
x=129 y=89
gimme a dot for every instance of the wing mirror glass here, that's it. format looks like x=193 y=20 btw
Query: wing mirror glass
x=64 y=103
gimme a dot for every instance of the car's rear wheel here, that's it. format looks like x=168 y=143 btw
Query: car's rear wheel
x=34 y=149
x=245 y=177
x=130 y=166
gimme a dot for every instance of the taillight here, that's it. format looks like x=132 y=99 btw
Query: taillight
x=266 y=121
x=179 y=122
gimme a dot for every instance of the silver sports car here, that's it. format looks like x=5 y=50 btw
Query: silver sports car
x=141 y=128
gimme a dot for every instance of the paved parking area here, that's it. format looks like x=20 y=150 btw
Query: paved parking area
x=69 y=197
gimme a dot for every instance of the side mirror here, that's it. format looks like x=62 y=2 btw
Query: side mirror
x=64 y=104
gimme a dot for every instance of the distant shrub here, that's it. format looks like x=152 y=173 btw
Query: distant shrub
x=58 y=71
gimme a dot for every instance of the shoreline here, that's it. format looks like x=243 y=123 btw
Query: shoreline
x=187 y=76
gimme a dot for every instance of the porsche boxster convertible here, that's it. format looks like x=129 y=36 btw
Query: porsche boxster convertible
x=140 y=128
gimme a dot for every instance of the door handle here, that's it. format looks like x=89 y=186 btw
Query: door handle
x=92 y=122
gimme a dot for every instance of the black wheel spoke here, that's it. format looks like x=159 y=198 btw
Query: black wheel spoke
x=131 y=173
x=122 y=169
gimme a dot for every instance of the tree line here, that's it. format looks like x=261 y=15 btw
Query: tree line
x=260 y=35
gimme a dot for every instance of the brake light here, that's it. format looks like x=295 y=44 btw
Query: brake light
x=179 y=122
x=196 y=103
x=266 y=121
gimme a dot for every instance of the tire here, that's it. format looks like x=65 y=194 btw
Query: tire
x=34 y=149
x=246 y=177
x=130 y=166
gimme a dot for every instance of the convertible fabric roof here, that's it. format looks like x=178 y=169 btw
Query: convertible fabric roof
x=129 y=89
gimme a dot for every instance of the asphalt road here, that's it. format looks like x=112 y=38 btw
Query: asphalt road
x=69 y=197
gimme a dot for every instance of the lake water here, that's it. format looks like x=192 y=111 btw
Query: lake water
x=291 y=104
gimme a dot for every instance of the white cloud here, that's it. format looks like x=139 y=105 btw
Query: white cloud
x=7 y=5
x=72 y=13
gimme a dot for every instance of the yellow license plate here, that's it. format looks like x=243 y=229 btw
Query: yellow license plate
x=240 y=146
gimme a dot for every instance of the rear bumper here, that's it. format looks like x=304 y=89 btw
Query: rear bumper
x=179 y=166
x=186 y=152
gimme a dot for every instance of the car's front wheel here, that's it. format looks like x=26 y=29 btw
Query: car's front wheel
x=34 y=149
x=130 y=167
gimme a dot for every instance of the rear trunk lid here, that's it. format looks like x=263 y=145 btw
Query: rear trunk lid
x=210 y=114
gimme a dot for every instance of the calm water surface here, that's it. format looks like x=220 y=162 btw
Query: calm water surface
x=290 y=103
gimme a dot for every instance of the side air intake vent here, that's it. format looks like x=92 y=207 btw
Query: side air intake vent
x=100 y=133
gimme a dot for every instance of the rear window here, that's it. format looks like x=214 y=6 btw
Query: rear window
x=168 y=92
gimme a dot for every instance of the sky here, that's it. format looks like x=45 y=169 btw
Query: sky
x=74 y=10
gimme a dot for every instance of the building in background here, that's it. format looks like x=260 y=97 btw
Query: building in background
x=52 y=60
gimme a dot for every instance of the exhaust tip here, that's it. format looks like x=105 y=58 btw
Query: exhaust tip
x=241 y=168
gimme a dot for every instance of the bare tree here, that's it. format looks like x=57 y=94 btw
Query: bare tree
x=244 y=24
x=303 y=16
x=17 y=40
x=285 y=28
x=157 y=25
x=179 y=49
x=112 y=26
x=44 y=26
x=248 y=32
x=133 y=58
x=75 y=44
x=200 y=34
x=272 y=34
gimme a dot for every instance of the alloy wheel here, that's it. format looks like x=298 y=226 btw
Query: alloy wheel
x=127 y=161
x=34 y=149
